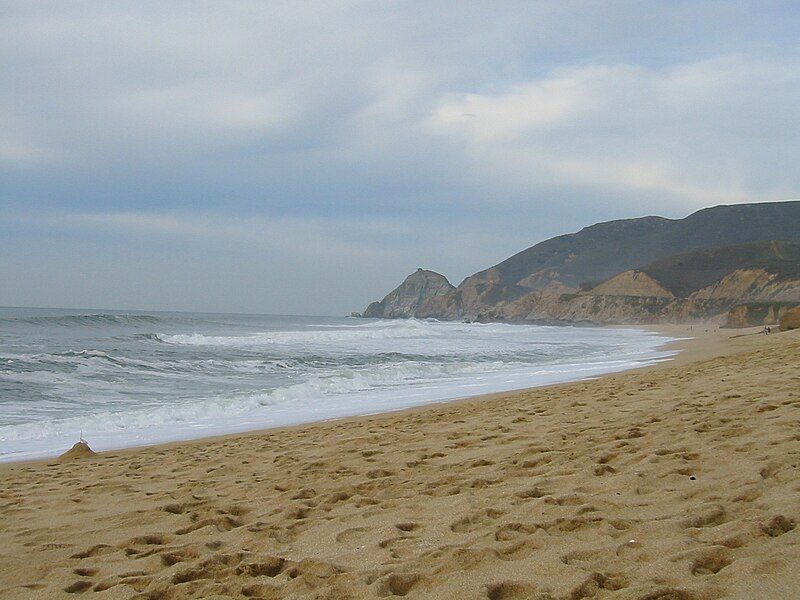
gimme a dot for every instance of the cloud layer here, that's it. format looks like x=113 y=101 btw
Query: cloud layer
x=328 y=148
x=702 y=132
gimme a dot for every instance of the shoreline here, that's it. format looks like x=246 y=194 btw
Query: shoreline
x=371 y=404
x=679 y=345
x=687 y=345
x=676 y=480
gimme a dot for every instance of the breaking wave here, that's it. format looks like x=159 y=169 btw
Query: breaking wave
x=97 y=319
x=409 y=329
x=171 y=377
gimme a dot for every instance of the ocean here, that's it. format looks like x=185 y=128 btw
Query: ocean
x=122 y=379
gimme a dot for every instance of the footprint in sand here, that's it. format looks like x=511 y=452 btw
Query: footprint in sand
x=398 y=584
x=510 y=590
x=79 y=586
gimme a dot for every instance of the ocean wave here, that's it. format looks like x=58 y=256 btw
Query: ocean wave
x=381 y=330
x=83 y=357
x=201 y=377
x=96 y=319
x=337 y=383
x=282 y=337
x=150 y=337
x=79 y=364
x=339 y=393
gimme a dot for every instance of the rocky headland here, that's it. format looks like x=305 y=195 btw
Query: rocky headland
x=737 y=265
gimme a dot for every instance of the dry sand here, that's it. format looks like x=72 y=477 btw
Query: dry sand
x=679 y=481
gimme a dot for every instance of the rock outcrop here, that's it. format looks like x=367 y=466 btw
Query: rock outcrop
x=748 y=285
x=763 y=296
x=409 y=297
x=757 y=314
x=537 y=307
x=791 y=319
x=632 y=283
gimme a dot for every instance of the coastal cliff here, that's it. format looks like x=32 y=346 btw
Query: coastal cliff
x=756 y=295
x=791 y=319
x=645 y=270
x=409 y=297
x=757 y=314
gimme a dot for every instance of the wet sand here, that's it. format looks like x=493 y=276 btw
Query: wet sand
x=673 y=481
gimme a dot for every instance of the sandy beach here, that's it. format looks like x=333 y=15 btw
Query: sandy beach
x=677 y=481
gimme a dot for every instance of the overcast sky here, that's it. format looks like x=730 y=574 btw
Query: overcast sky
x=302 y=158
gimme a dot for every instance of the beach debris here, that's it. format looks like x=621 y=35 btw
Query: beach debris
x=631 y=543
x=80 y=449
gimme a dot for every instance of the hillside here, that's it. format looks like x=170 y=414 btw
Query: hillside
x=660 y=261
x=605 y=249
x=686 y=273
x=753 y=284
x=601 y=251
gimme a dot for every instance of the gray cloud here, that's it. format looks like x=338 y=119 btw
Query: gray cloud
x=332 y=147
x=702 y=133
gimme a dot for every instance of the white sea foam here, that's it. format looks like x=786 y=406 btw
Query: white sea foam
x=201 y=376
x=391 y=330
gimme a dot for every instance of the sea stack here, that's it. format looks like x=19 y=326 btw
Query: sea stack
x=406 y=299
